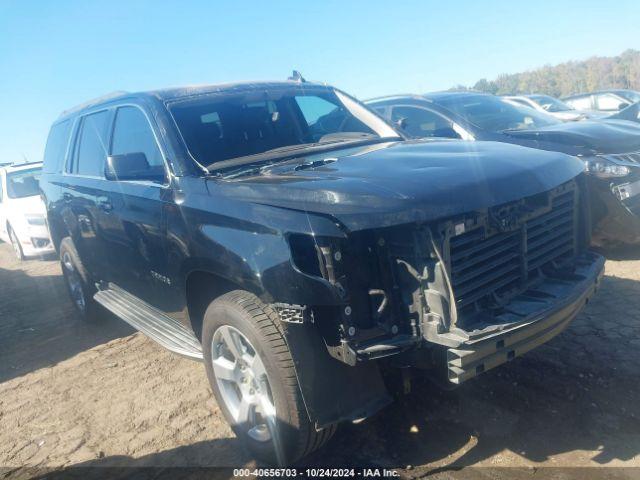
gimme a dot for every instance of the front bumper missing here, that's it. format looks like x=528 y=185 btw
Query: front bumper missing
x=545 y=311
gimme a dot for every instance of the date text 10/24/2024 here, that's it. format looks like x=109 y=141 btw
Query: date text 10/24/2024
x=316 y=472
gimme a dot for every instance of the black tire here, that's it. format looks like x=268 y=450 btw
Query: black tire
x=259 y=323
x=15 y=243
x=77 y=277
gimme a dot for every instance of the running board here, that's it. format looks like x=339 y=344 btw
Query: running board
x=159 y=327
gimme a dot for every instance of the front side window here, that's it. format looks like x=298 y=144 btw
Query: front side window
x=419 y=122
x=495 y=114
x=133 y=134
x=23 y=183
x=224 y=128
x=610 y=102
x=91 y=150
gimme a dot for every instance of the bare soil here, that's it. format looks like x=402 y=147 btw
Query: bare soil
x=99 y=394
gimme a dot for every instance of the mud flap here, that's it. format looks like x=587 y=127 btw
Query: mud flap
x=333 y=392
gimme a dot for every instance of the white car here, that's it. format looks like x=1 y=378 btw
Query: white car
x=22 y=212
x=553 y=106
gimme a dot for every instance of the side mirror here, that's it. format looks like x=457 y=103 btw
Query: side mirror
x=623 y=105
x=130 y=166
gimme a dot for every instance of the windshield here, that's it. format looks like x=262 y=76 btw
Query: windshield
x=630 y=95
x=230 y=130
x=495 y=114
x=550 y=104
x=23 y=183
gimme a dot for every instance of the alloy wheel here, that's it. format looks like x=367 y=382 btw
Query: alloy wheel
x=243 y=383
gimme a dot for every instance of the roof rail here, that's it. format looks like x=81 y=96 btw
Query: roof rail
x=94 y=101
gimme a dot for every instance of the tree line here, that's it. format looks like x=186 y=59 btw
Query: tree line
x=595 y=73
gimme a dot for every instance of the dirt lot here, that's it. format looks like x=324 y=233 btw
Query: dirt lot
x=99 y=394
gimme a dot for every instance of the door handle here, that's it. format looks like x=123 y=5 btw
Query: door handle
x=105 y=204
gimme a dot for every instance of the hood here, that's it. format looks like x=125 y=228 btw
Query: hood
x=401 y=182
x=598 y=136
x=27 y=205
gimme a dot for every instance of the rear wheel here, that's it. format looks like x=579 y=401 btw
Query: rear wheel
x=252 y=376
x=79 y=286
x=15 y=243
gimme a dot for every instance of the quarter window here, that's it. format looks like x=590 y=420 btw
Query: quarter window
x=133 y=134
x=91 y=150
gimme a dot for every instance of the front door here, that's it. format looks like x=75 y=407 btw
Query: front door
x=133 y=220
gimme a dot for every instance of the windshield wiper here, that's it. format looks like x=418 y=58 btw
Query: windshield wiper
x=282 y=152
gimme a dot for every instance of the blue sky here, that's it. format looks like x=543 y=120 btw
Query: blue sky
x=56 y=54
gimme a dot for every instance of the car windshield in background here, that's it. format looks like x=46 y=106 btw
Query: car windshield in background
x=226 y=131
x=550 y=104
x=630 y=95
x=23 y=183
x=495 y=114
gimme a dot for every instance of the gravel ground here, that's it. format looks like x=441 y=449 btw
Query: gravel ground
x=99 y=394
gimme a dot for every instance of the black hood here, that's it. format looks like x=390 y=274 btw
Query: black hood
x=400 y=182
x=596 y=136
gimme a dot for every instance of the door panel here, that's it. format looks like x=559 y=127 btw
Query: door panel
x=132 y=225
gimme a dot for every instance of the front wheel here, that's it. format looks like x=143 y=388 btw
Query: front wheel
x=15 y=243
x=252 y=376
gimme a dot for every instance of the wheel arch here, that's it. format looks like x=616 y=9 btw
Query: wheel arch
x=201 y=288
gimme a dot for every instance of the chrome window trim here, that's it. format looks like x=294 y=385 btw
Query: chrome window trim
x=74 y=136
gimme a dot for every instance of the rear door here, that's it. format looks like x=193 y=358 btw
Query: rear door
x=133 y=223
x=82 y=190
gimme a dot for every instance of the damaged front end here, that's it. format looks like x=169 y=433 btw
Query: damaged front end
x=476 y=289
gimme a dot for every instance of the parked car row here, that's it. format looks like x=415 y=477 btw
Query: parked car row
x=22 y=213
x=313 y=250
x=609 y=148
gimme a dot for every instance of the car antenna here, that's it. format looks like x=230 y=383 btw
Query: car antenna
x=296 y=76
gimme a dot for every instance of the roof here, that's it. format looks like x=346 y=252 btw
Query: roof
x=12 y=167
x=169 y=94
x=605 y=90
x=391 y=97
x=439 y=96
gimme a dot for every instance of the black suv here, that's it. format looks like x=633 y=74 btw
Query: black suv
x=288 y=236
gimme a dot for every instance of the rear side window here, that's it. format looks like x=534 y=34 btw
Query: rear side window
x=580 y=103
x=56 y=147
x=91 y=150
x=132 y=134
